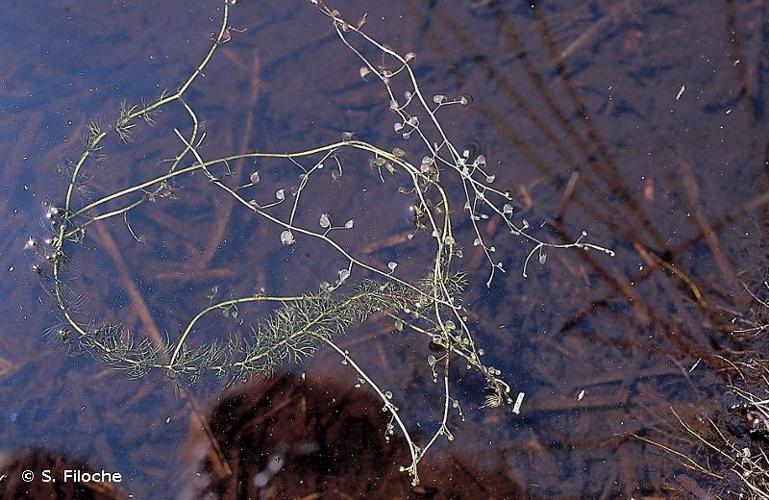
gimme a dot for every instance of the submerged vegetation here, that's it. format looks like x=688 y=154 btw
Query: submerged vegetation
x=730 y=462
x=431 y=307
x=726 y=448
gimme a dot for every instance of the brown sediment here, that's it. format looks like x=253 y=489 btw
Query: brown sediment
x=330 y=443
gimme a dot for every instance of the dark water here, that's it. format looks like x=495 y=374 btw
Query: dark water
x=642 y=123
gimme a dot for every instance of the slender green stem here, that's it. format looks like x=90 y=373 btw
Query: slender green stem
x=242 y=300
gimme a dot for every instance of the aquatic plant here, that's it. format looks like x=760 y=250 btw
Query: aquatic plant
x=726 y=450
x=430 y=307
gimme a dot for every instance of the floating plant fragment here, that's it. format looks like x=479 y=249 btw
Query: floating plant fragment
x=287 y=238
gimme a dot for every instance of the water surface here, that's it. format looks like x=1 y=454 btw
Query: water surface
x=641 y=123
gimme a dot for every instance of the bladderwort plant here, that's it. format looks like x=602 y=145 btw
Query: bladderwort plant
x=430 y=307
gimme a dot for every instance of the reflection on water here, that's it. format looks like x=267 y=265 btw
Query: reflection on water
x=642 y=124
